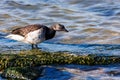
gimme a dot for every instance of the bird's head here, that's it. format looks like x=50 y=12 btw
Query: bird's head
x=59 y=27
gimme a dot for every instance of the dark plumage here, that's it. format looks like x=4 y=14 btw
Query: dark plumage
x=29 y=28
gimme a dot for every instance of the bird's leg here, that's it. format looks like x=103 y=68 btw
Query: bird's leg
x=32 y=46
x=36 y=46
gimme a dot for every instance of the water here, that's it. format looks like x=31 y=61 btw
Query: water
x=89 y=21
x=81 y=72
x=93 y=25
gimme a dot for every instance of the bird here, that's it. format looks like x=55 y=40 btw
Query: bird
x=35 y=33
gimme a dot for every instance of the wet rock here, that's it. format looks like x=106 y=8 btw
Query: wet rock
x=24 y=73
x=35 y=58
x=113 y=73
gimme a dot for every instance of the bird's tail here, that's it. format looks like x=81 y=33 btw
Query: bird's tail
x=15 y=37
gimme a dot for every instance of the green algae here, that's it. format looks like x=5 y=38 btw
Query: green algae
x=34 y=58
x=24 y=73
x=22 y=65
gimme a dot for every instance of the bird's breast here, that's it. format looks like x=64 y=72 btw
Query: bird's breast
x=35 y=37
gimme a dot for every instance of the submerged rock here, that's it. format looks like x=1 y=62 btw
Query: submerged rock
x=24 y=73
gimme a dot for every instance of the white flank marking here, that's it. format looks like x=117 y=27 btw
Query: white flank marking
x=15 y=37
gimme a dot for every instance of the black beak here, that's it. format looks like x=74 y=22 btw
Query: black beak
x=66 y=30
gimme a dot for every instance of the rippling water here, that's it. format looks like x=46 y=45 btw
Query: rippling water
x=89 y=22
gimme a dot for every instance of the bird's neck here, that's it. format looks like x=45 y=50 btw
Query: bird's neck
x=50 y=33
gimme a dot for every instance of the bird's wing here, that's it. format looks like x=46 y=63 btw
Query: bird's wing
x=25 y=30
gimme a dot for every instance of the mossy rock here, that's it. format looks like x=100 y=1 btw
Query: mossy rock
x=35 y=58
x=22 y=66
x=22 y=73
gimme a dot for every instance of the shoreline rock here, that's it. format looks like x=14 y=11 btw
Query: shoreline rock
x=22 y=73
x=16 y=65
